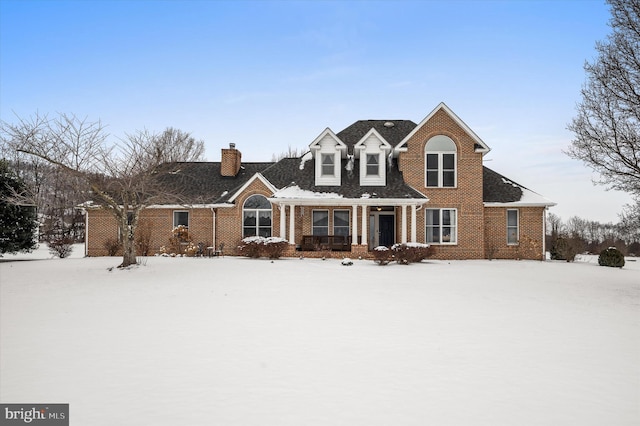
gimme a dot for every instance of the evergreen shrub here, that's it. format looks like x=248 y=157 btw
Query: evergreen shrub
x=564 y=249
x=611 y=257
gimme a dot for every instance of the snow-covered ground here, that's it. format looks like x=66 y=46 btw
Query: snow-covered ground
x=234 y=341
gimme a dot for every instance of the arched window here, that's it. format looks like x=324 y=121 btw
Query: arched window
x=256 y=217
x=440 y=162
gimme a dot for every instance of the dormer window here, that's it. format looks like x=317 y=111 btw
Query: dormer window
x=440 y=162
x=373 y=165
x=328 y=151
x=371 y=151
x=328 y=164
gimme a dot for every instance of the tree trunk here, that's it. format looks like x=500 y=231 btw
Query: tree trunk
x=128 y=248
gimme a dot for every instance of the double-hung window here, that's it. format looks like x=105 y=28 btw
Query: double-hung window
x=320 y=222
x=373 y=164
x=440 y=162
x=328 y=164
x=512 y=227
x=341 y=222
x=442 y=226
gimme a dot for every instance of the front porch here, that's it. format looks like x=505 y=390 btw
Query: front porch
x=362 y=224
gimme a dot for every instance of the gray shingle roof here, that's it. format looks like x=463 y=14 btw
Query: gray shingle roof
x=392 y=134
x=201 y=182
x=498 y=189
x=287 y=172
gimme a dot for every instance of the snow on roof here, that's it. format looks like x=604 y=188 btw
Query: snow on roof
x=294 y=191
x=306 y=157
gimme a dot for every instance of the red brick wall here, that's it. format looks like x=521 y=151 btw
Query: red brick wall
x=466 y=197
x=531 y=226
x=103 y=228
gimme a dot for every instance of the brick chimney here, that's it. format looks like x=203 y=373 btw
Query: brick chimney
x=230 y=165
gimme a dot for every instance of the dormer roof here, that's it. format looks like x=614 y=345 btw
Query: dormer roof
x=328 y=133
x=392 y=131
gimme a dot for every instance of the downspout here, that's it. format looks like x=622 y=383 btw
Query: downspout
x=213 y=228
x=86 y=233
x=544 y=234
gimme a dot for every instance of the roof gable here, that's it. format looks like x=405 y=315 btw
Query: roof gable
x=362 y=143
x=257 y=176
x=480 y=145
x=327 y=135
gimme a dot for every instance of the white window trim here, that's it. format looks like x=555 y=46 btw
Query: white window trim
x=455 y=234
x=328 y=220
x=258 y=227
x=173 y=217
x=441 y=169
x=333 y=225
x=370 y=179
x=517 y=227
x=328 y=180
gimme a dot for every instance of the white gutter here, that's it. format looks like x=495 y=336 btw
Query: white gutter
x=320 y=201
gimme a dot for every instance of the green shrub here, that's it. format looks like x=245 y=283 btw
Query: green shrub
x=564 y=249
x=611 y=257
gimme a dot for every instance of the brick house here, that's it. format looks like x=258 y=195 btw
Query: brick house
x=377 y=182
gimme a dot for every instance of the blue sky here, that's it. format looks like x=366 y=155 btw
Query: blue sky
x=268 y=75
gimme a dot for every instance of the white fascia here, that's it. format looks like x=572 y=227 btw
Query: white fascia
x=257 y=176
x=344 y=202
x=484 y=148
x=320 y=141
x=364 y=143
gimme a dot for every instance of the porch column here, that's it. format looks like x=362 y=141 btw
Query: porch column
x=414 y=237
x=354 y=226
x=292 y=224
x=283 y=221
x=404 y=224
x=365 y=240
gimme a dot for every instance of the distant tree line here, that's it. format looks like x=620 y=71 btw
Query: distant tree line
x=576 y=235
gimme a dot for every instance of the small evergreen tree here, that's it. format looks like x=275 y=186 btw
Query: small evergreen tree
x=18 y=223
x=611 y=257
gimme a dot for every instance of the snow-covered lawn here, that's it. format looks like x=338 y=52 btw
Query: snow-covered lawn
x=233 y=341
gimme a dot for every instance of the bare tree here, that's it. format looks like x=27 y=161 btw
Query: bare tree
x=630 y=222
x=122 y=177
x=607 y=125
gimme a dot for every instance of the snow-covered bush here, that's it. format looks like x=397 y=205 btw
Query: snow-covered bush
x=611 y=257
x=255 y=247
x=382 y=255
x=402 y=253
x=411 y=252
x=180 y=241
